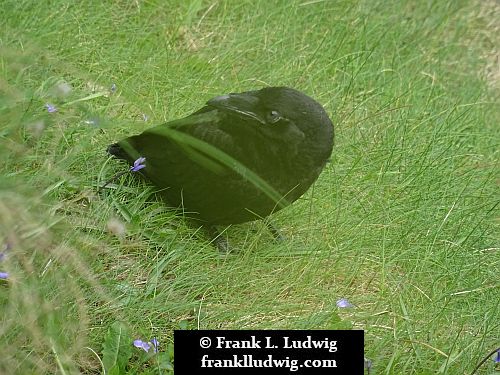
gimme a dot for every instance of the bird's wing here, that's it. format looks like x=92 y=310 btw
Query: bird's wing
x=199 y=136
x=171 y=148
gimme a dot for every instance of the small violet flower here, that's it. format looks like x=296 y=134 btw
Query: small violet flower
x=138 y=164
x=142 y=345
x=344 y=303
x=155 y=343
x=497 y=357
x=4 y=275
x=50 y=108
x=147 y=345
x=368 y=365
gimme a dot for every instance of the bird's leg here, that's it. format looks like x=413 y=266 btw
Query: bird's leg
x=218 y=239
x=278 y=237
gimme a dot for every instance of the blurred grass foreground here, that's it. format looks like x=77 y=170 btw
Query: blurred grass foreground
x=402 y=224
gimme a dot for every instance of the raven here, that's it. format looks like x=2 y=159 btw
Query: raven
x=277 y=133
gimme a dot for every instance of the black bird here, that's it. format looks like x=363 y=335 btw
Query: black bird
x=280 y=134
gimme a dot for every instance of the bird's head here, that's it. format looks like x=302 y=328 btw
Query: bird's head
x=279 y=113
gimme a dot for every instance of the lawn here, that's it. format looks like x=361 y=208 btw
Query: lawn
x=403 y=222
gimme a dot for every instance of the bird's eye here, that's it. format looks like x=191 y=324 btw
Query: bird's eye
x=273 y=117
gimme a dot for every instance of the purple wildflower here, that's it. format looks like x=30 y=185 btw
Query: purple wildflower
x=155 y=343
x=368 y=365
x=138 y=164
x=50 y=108
x=4 y=275
x=497 y=357
x=344 y=303
x=142 y=345
x=147 y=345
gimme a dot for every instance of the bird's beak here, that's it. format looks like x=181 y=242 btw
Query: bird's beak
x=244 y=105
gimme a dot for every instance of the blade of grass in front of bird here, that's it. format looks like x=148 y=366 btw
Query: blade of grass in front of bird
x=205 y=154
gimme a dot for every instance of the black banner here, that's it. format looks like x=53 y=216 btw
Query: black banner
x=303 y=352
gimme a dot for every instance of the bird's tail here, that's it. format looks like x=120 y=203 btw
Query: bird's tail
x=117 y=151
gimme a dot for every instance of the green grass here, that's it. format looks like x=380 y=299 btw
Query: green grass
x=402 y=222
